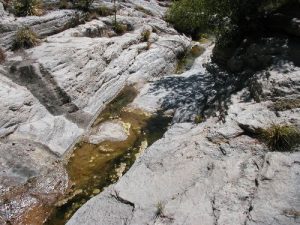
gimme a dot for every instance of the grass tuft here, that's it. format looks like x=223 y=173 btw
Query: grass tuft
x=146 y=35
x=25 y=38
x=286 y=104
x=27 y=7
x=159 y=209
x=281 y=137
x=119 y=28
x=198 y=119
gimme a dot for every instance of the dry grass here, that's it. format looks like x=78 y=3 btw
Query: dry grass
x=281 y=137
x=146 y=35
x=286 y=104
x=119 y=28
x=28 y=8
x=25 y=38
x=198 y=119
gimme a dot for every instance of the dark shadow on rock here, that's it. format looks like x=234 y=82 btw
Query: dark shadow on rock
x=201 y=94
x=43 y=86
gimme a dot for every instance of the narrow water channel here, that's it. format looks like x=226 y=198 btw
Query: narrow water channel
x=92 y=167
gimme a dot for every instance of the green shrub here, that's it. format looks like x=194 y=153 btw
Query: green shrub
x=146 y=35
x=27 y=7
x=281 y=137
x=226 y=18
x=104 y=11
x=2 y=55
x=286 y=104
x=25 y=38
x=198 y=119
x=119 y=28
x=83 y=4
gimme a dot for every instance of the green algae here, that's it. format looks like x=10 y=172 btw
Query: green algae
x=92 y=167
x=186 y=60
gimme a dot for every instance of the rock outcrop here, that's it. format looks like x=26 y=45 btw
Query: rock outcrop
x=209 y=167
x=213 y=172
x=217 y=171
x=50 y=94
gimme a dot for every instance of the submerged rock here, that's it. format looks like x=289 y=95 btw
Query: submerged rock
x=109 y=131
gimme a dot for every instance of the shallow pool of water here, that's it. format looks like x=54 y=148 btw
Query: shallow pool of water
x=92 y=167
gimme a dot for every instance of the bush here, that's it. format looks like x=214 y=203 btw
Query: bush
x=25 y=38
x=2 y=55
x=119 y=28
x=83 y=4
x=27 y=7
x=286 y=104
x=146 y=35
x=281 y=137
x=64 y=4
x=226 y=18
x=104 y=11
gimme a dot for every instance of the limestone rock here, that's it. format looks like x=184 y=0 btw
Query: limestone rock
x=108 y=131
x=51 y=23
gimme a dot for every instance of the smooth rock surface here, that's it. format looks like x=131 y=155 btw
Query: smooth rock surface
x=108 y=131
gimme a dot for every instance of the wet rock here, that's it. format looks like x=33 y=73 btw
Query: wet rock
x=30 y=176
x=108 y=131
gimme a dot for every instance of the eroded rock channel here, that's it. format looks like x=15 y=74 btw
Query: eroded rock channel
x=93 y=166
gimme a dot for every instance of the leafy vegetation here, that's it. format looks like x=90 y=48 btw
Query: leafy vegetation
x=198 y=119
x=27 y=7
x=104 y=11
x=286 y=104
x=146 y=35
x=281 y=137
x=2 y=55
x=119 y=28
x=25 y=38
x=226 y=18
x=83 y=4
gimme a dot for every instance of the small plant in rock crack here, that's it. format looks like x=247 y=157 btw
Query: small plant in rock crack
x=25 y=38
x=280 y=137
x=146 y=35
x=159 y=210
x=119 y=28
x=285 y=104
x=198 y=119
x=27 y=7
x=105 y=11
x=2 y=55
